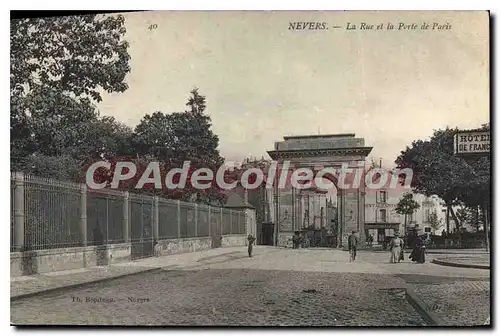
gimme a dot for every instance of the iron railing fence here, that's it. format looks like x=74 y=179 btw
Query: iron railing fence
x=12 y=209
x=105 y=217
x=54 y=213
x=168 y=219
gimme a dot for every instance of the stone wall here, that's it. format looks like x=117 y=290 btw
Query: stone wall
x=16 y=264
x=185 y=245
x=283 y=238
x=234 y=240
x=44 y=261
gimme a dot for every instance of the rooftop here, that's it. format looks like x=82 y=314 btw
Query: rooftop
x=235 y=201
x=320 y=136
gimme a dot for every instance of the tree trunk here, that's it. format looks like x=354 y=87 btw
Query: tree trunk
x=404 y=227
x=447 y=220
x=455 y=218
x=477 y=218
x=486 y=222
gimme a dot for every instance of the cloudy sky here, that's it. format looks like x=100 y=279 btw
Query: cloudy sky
x=263 y=81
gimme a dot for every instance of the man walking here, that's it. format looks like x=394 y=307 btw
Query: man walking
x=352 y=243
x=251 y=241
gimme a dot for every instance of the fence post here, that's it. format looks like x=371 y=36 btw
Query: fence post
x=178 y=219
x=19 y=212
x=83 y=220
x=246 y=228
x=196 y=220
x=156 y=218
x=230 y=221
x=209 y=221
x=221 y=226
x=126 y=218
x=83 y=213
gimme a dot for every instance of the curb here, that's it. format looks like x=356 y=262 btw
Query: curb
x=77 y=285
x=84 y=284
x=421 y=308
x=453 y=264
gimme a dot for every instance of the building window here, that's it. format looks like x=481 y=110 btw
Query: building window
x=409 y=217
x=427 y=215
x=383 y=215
x=382 y=197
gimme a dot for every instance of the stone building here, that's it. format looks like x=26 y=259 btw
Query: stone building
x=381 y=219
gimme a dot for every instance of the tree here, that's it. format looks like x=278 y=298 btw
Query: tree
x=406 y=206
x=437 y=171
x=74 y=54
x=435 y=222
x=174 y=138
x=59 y=66
x=155 y=136
x=62 y=168
x=471 y=215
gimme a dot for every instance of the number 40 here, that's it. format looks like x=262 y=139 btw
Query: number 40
x=153 y=26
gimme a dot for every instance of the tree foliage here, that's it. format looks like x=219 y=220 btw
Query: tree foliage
x=471 y=216
x=437 y=171
x=59 y=67
x=407 y=205
x=435 y=222
x=172 y=139
x=71 y=54
x=169 y=140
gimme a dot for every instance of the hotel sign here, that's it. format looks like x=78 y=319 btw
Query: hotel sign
x=472 y=142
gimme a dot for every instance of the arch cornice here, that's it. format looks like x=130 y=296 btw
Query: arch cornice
x=308 y=153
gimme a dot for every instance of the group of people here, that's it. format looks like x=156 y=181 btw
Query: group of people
x=396 y=246
x=397 y=250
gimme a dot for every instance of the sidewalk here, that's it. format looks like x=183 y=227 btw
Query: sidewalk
x=478 y=251
x=456 y=303
x=457 y=251
x=470 y=261
x=26 y=286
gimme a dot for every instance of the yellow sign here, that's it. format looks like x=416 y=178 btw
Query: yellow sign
x=472 y=142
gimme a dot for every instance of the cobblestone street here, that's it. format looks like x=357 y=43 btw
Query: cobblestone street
x=280 y=287
x=457 y=303
x=228 y=297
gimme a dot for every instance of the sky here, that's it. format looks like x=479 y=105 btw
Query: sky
x=263 y=81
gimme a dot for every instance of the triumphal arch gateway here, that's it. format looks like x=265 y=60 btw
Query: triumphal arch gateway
x=299 y=208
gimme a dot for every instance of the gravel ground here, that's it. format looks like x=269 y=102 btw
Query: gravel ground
x=228 y=297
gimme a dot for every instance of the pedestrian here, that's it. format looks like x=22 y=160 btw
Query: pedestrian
x=370 y=240
x=296 y=240
x=352 y=243
x=396 y=245
x=251 y=240
x=418 y=254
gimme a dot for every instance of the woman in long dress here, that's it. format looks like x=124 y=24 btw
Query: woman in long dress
x=418 y=253
x=396 y=245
